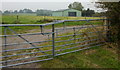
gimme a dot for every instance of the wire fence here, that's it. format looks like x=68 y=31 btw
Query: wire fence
x=48 y=40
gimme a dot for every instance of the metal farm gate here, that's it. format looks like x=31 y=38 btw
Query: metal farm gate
x=42 y=42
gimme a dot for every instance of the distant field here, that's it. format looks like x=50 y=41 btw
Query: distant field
x=32 y=19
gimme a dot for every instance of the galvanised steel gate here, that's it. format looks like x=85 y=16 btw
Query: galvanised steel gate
x=42 y=42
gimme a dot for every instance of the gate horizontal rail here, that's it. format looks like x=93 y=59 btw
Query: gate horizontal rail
x=56 y=44
x=49 y=40
x=55 y=22
x=52 y=32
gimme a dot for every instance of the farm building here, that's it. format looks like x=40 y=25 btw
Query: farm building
x=67 y=12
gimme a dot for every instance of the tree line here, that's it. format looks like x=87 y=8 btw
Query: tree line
x=113 y=14
x=42 y=12
x=39 y=12
x=18 y=11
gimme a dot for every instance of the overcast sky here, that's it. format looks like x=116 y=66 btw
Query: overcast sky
x=41 y=5
x=44 y=4
x=47 y=0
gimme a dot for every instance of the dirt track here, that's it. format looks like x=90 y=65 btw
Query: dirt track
x=34 y=38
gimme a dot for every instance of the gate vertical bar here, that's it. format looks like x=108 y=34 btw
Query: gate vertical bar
x=5 y=41
x=53 y=40
x=64 y=25
x=108 y=32
x=74 y=34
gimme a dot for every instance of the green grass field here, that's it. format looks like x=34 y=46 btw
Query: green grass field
x=29 y=19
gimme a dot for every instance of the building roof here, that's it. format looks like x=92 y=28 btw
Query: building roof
x=62 y=10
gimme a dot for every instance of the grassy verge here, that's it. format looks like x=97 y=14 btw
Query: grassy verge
x=98 y=57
